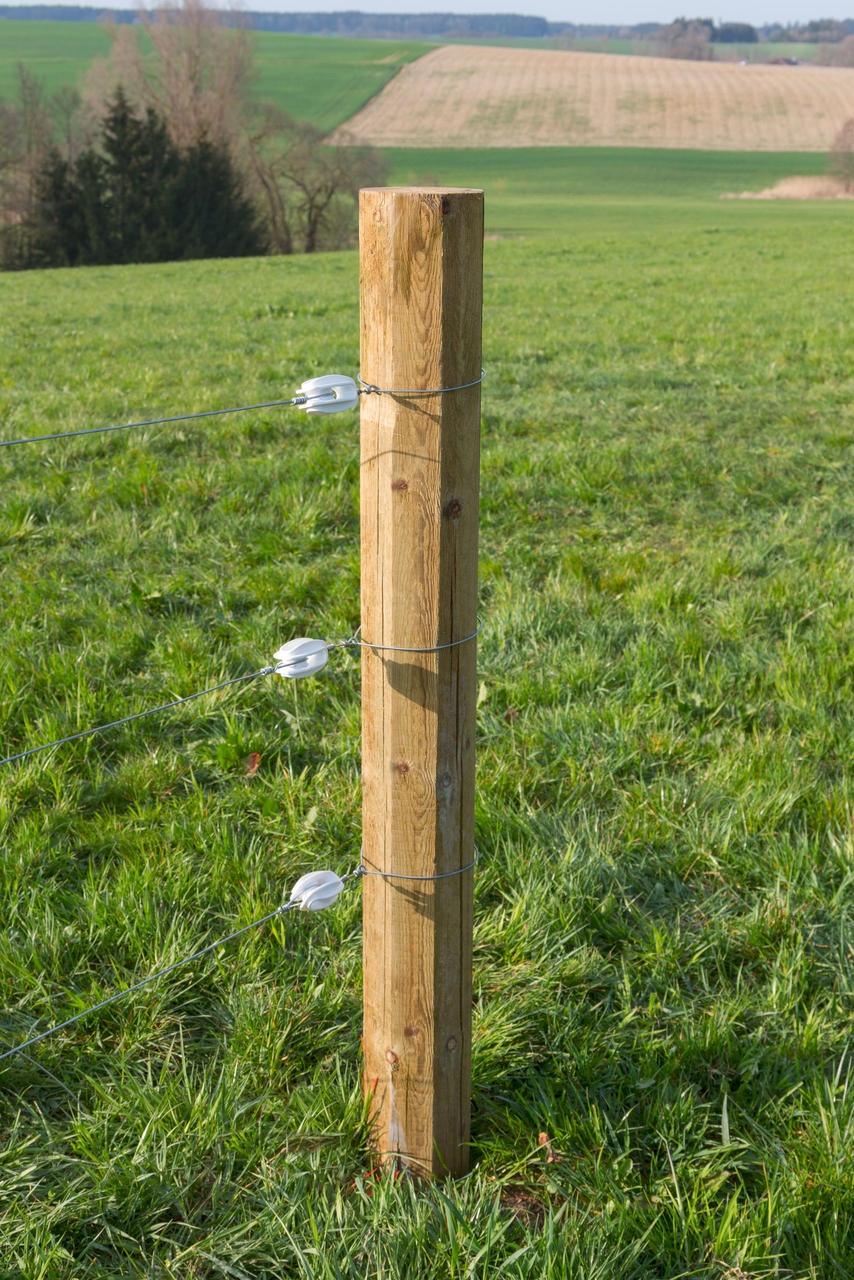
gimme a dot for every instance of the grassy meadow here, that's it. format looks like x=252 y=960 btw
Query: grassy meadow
x=58 y=53
x=763 y=51
x=541 y=191
x=321 y=79
x=663 y=964
x=324 y=79
x=637 y=48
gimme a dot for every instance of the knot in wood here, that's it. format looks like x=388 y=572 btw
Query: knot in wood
x=453 y=509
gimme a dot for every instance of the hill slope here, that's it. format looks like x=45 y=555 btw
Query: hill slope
x=488 y=97
x=310 y=77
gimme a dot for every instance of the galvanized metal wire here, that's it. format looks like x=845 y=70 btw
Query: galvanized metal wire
x=371 y=389
x=354 y=641
x=362 y=870
x=138 y=715
x=154 y=422
x=365 y=388
x=119 y=995
x=359 y=872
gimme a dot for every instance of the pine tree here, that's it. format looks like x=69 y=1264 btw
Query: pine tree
x=140 y=168
x=211 y=215
x=137 y=198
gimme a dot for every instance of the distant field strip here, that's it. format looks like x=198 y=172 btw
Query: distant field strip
x=314 y=78
x=488 y=97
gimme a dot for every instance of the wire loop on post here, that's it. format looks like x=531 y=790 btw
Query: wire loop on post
x=282 y=667
x=354 y=642
x=371 y=389
x=361 y=870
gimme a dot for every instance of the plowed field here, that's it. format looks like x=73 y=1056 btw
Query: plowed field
x=489 y=97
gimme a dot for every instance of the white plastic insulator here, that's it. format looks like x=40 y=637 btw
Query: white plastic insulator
x=301 y=657
x=332 y=393
x=317 y=890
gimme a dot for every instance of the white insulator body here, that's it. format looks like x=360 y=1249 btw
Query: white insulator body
x=301 y=657
x=332 y=393
x=317 y=890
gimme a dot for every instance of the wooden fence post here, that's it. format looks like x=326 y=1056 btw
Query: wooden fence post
x=421 y=258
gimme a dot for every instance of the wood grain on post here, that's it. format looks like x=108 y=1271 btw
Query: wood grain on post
x=421 y=252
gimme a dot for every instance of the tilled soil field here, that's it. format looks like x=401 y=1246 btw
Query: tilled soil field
x=492 y=97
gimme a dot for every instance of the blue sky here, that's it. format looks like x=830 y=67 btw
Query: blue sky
x=758 y=12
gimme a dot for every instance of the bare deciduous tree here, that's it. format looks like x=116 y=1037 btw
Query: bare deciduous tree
x=25 y=138
x=321 y=177
x=123 y=68
x=265 y=167
x=196 y=78
x=841 y=162
x=836 y=55
x=309 y=188
x=687 y=38
x=71 y=136
x=204 y=70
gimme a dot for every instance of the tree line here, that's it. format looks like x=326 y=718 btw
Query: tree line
x=354 y=23
x=162 y=153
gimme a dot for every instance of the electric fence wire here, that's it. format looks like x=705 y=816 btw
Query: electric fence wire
x=360 y=872
x=365 y=388
x=352 y=642
x=155 y=422
x=299 y=400
x=153 y=977
x=138 y=715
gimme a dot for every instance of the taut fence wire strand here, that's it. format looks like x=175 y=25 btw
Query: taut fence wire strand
x=152 y=977
x=365 y=389
x=138 y=715
x=360 y=871
x=352 y=642
x=155 y=422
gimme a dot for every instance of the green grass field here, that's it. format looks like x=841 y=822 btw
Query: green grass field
x=804 y=52
x=663 y=963
x=541 y=190
x=58 y=53
x=318 y=78
x=759 y=52
x=324 y=80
